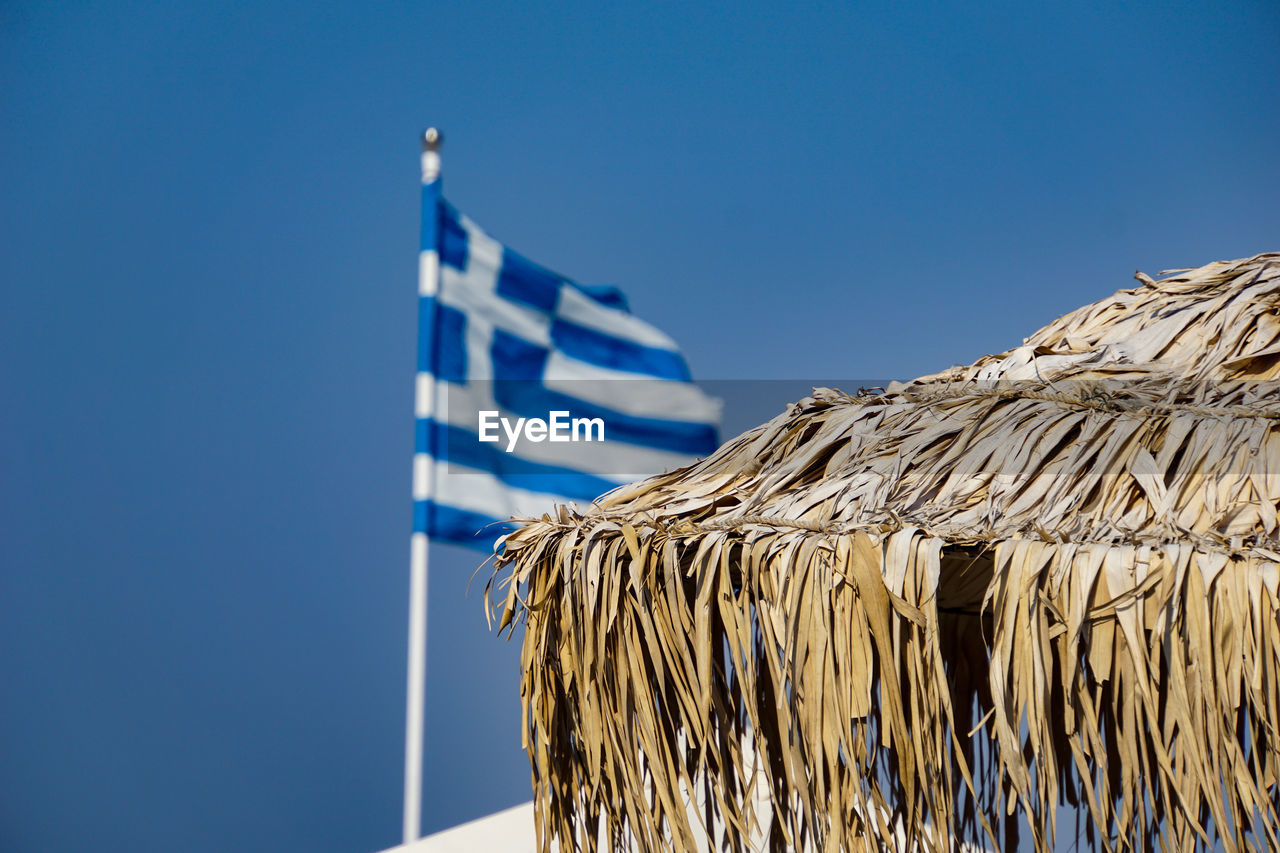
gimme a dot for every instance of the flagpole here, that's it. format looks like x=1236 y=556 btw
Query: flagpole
x=428 y=283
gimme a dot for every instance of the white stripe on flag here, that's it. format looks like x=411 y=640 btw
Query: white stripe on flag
x=578 y=308
x=422 y=477
x=630 y=393
x=481 y=492
x=428 y=273
x=481 y=248
x=424 y=400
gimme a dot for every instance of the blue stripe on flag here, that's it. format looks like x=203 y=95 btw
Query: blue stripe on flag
x=521 y=280
x=458 y=446
x=430 y=216
x=421 y=519
x=453 y=238
x=462 y=527
x=427 y=440
x=516 y=359
x=451 y=344
x=607 y=295
x=598 y=348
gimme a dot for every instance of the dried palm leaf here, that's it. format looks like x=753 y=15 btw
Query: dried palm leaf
x=941 y=611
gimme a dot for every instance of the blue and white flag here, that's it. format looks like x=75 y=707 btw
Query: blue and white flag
x=534 y=390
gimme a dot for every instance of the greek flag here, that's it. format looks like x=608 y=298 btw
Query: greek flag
x=534 y=390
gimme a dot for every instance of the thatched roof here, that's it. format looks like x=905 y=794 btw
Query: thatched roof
x=1050 y=575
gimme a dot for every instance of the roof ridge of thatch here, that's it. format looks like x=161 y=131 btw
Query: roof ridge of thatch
x=1086 y=395
x=891 y=522
x=1145 y=329
x=943 y=458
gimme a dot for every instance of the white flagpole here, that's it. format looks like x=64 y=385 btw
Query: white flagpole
x=428 y=283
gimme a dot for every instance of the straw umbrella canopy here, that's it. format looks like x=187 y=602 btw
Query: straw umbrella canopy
x=940 y=610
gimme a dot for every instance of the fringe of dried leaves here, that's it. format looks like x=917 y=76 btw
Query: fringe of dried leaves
x=940 y=611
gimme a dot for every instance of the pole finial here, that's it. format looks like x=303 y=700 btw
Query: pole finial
x=432 y=139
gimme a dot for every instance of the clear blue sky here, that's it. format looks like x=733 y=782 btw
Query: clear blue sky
x=208 y=248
